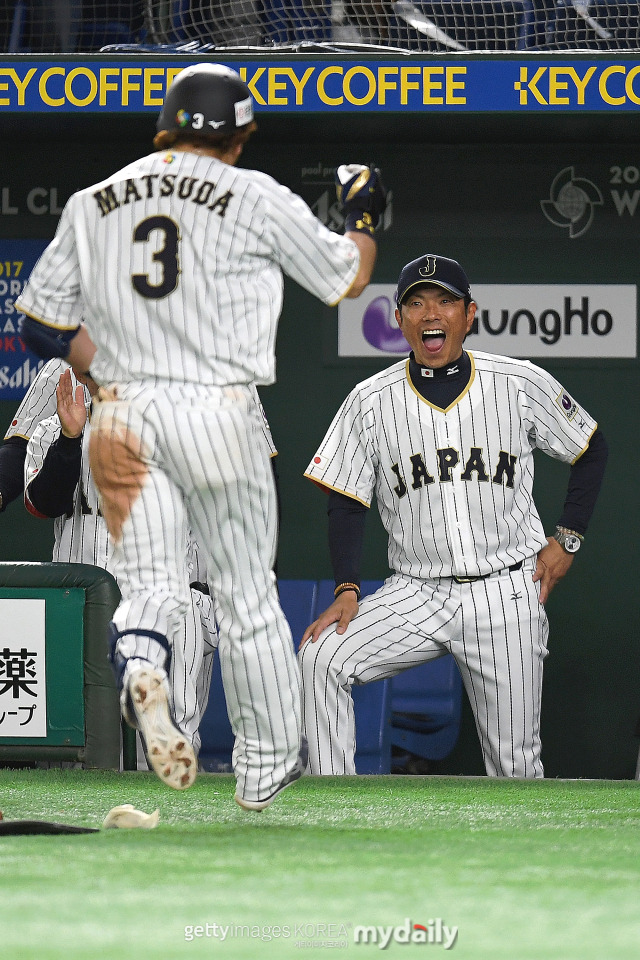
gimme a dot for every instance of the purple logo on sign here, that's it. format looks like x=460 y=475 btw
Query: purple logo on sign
x=567 y=402
x=380 y=328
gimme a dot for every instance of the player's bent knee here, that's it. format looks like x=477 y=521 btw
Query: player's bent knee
x=317 y=660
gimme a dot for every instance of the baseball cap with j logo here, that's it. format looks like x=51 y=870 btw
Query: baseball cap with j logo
x=431 y=268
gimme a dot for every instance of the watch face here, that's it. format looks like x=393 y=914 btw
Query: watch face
x=571 y=543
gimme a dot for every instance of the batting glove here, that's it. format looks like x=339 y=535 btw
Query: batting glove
x=362 y=196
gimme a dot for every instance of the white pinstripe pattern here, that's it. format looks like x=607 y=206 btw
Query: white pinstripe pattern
x=498 y=642
x=232 y=267
x=83 y=538
x=454 y=489
x=39 y=402
x=176 y=263
x=452 y=526
x=209 y=466
x=191 y=666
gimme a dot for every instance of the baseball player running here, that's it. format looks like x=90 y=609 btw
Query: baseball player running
x=178 y=261
x=445 y=440
x=58 y=484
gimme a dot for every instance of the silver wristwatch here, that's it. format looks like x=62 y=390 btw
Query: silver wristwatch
x=569 y=540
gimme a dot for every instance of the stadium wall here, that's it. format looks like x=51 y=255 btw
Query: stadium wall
x=526 y=168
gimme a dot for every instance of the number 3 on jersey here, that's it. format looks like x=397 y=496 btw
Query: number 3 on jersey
x=166 y=255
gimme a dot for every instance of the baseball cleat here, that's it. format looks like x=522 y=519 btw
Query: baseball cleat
x=167 y=749
x=295 y=774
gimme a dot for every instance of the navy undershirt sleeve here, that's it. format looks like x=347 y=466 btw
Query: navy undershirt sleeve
x=585 y=480
x=346 y=534
x=12 y=454
x=52 y=490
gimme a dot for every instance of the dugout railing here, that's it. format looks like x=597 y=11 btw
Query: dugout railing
x=73 y=686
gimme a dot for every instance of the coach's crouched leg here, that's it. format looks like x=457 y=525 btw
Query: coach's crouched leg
x=327 y=706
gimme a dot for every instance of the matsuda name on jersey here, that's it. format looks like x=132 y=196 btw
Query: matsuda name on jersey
x=151 y=186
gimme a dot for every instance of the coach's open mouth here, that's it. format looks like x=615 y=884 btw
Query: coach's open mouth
x=433 y=340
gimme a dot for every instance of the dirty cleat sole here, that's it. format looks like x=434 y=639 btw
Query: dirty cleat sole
x=295 y=774
x=168 y=750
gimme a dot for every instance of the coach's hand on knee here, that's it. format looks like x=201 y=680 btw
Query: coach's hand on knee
x=342 y=611
x=553 y=563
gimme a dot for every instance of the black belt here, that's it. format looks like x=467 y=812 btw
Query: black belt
x=484 y=576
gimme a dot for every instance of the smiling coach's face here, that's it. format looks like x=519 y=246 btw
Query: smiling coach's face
x=434 y=324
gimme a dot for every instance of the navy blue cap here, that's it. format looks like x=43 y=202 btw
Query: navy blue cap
x=431 y=268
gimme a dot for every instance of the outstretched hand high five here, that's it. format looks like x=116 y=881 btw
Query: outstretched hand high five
x=72 y=409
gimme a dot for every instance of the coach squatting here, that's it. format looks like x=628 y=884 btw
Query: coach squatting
x=471 y=564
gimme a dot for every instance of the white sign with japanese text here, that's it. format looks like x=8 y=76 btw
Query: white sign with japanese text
x=23 y=690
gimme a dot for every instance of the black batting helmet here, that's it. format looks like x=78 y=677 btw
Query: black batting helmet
x=207 y=98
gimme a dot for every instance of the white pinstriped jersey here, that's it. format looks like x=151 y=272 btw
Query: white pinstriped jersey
x=39 y=402
x=81 y=537
x=178 y=260
x=454 y=487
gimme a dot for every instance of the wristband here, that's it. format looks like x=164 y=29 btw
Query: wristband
x=346 y=586
x=359 y=221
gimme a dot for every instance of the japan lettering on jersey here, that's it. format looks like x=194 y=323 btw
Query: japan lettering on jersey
x=175 y=264
x=454 y=487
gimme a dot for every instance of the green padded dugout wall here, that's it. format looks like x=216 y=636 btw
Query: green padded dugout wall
x=470 y=184
x=82 y=700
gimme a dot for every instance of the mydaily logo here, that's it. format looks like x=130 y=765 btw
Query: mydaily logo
x=433 y=932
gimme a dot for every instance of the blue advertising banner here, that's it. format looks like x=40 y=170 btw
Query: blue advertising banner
x=18 y=365
x=514 y=85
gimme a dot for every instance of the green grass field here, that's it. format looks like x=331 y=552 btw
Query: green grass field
x=523 y=870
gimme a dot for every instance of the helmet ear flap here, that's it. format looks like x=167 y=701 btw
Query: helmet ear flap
x=207 y=98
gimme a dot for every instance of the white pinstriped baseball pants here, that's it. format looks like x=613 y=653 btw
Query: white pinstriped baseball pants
x=495 y=628
x=208 y=468
x=191 y=666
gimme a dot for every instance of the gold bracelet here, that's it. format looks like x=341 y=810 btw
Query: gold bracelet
x=574 y=533
x=346 y=586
